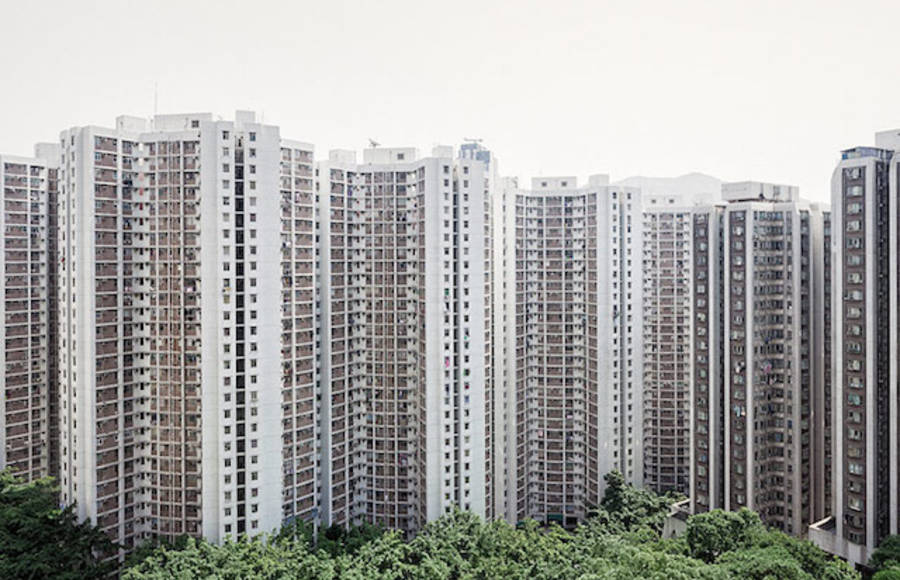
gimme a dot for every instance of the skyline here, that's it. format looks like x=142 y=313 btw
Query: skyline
x=571 y=344
x=347 y=263
x=768 y=93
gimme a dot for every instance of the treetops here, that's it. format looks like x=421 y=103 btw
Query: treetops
x=620 y=540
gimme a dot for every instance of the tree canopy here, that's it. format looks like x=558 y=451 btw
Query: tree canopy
x=38 y=539
x=713 y=533
x=621 y=540
x=887 y=554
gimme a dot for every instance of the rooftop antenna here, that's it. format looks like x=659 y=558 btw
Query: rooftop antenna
x=373 y=143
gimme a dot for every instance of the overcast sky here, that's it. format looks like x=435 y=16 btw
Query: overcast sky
x=765 y=90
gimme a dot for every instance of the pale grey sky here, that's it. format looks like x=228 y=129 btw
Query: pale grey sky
x=758 y=89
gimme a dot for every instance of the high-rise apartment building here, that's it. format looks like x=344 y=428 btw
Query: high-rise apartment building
x=183 y=296
x=667 y=348
x=29 y=436
x=300 y=455
x=667 y=308
x=508 y=345
x=864 y=395
x=186 y=326
x=578 y=381
x=412 y=333
x=405 y=373
x=707 y=383
x=822 y=449
x=753 y=424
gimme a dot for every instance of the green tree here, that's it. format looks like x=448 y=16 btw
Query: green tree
x=38 y=539
x=626 y=508
x=147 y=548
x=257 y=558
x=739 y=544
x=296 y=530
x=619 y=543
x=892 y=573
x=713 y=533
x=814 y=561
x=887 y=554
x=771 y=563
x=337 y=540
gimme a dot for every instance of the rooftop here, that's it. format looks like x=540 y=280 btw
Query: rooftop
x=758 y=191
x=863 y=152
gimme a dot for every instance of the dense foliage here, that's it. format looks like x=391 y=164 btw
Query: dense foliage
x=40 y=540
x=625 y=508
x=886 y=559
x=620 y=541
